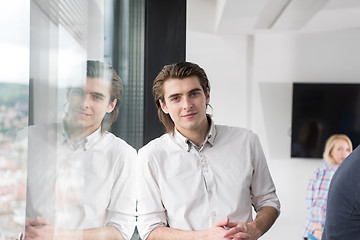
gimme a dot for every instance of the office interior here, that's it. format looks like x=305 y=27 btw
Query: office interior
x=252 y=51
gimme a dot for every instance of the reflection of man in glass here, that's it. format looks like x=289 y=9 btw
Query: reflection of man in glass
x=78 y=173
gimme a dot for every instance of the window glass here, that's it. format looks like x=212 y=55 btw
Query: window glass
x=14 y=94
x=44 y=52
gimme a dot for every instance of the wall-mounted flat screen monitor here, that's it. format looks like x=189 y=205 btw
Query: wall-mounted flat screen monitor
x=320 y=110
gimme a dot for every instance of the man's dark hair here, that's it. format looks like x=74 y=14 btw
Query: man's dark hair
x=97 y=69
x=176 y=71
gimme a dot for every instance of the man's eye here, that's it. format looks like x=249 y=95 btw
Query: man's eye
x=175 y=98
x=98 y=98
x=77 y=92
x=194 y=94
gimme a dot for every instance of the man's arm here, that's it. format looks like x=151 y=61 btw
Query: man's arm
x=217 y=231
x=265 y=218
x=109 y=233
x=43 y=229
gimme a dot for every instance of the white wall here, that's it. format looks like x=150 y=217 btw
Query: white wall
x=251 y=81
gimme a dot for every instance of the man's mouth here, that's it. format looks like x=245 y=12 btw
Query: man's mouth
x=81 y=113
x=189 y=115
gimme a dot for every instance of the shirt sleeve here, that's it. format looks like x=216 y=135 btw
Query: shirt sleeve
x=316 y=196
x=151 y=212
x=122 y=207
x=263 y=192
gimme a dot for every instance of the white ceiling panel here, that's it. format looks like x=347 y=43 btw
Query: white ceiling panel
x=249 y=16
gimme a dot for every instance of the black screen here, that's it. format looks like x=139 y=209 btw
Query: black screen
x=321 y=110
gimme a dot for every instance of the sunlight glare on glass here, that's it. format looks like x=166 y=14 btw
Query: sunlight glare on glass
x=14 y=41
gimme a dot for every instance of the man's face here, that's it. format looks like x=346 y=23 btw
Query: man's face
x=89 y=104
x=185 y=102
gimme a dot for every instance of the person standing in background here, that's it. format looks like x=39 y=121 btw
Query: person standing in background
x=337 y=148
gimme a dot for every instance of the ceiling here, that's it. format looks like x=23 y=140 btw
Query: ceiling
x=251 y=16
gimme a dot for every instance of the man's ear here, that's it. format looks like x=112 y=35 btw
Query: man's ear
x=111 y=106
x=163 y=107
x=207 y=95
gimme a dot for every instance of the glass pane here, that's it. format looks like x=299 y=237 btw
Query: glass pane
x=14 y=95
x=45 y=49
x=63 y=36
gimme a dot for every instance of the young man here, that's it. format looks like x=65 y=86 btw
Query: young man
x=200 y=180
x=79 y=174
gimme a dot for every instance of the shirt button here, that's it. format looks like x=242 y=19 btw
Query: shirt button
x=213 y=214
x=210 y=192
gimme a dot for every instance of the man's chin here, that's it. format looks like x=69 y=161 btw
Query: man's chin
x=76 y=122
x=191 y=126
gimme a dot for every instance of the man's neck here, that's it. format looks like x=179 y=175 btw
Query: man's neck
x=76 y=133
x=197 y=136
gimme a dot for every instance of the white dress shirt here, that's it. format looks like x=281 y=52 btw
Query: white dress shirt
x=81 y=187
x=190 y=189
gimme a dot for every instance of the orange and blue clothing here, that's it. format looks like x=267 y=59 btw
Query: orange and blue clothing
x=316 y=197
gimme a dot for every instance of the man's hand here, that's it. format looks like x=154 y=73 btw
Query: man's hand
x=39 y=228
x=265 y=218
x=240 y=231
x=218 y=231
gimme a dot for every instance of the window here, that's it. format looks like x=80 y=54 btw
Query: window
x=46 y=48
x=14 y=94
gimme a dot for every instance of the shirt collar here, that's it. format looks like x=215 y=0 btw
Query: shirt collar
x=330 y=166
x=186 y=144
x=93 y=138
x=86 y=143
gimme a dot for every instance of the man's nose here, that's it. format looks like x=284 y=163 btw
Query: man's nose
x=85 y=101
x=187 y=103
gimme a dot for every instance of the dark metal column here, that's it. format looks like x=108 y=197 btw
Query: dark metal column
x=165 y=43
